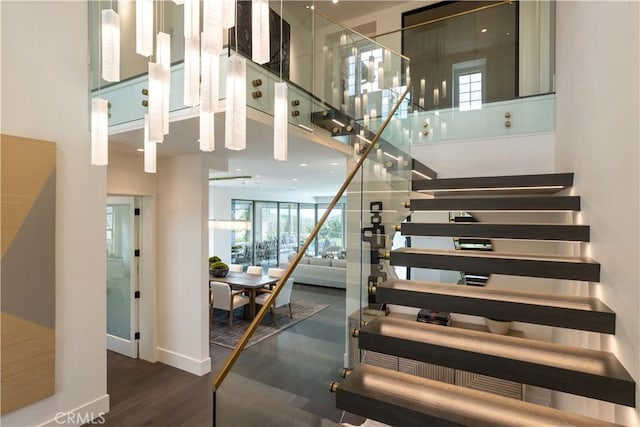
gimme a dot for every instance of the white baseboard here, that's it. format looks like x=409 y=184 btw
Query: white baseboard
x=89 y=413
x=186 y=363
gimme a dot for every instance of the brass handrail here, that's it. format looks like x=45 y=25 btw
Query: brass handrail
x=294 y=263
x=444 y=18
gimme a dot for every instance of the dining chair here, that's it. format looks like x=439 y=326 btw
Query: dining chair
x=236 y=268
x=255 y=269
x=223 y=298
x=283 y=298
x=275 y=272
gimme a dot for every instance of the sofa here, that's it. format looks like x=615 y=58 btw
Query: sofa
x=320 y=272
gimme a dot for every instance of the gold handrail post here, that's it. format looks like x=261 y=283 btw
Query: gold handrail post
x=294 y=263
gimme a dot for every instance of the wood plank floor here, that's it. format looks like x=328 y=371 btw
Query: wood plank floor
x=281 y=381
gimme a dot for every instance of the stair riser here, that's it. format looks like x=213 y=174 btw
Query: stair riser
x=511 y=267
x=571 y=203
x=579 y=383
x=499 y=231
x=528 y=313
x=385 y=411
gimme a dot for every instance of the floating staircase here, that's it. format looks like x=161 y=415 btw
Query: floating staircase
x=400 y=399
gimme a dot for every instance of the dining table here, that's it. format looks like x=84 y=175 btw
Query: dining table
x=249 y=283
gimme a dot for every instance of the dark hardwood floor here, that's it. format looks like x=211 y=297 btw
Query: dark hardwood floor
x=281 y=381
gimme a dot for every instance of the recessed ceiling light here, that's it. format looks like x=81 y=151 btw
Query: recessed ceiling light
x=139 y=149
x=258 y=176
x=484 y=30
x=304 y=165
x=334 y=1
x=334 y=164
x=295 y=179
x=332 y=171
x=238 y=170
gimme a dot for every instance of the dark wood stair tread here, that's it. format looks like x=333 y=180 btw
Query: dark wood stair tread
x=402 y=399
x=558 y=232
x=559 y=367
x=531 y=265
x=512 y=184
x=583 y=313
x=471 y=204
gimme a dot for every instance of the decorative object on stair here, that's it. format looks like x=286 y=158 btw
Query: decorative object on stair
x=496 y=326
x=434 y=317
x=225 y=336
x=376 y=237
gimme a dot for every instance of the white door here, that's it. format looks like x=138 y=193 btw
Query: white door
x=122 y=276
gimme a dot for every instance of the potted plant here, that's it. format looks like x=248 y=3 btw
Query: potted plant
x=217 y=268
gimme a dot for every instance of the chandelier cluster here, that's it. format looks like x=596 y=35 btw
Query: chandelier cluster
x=201 y=76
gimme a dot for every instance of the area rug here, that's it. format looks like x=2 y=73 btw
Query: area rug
x=225 y=336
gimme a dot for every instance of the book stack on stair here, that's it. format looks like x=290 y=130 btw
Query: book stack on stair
x=427 y=315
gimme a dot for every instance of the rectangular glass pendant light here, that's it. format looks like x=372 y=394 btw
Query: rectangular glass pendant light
x=156 y=102
x=260 y=52
x=110 y=46
x=228 y=14
x=235 y=125
x=150 y=154
x=191 y=18
x=209 y=85
x=192 y=70
x=280 y=121
x=144 y=27
x=163 y=58
x=207 y=131
x=212 y=35
x=99 y=132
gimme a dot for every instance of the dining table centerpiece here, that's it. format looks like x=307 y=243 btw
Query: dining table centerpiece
x=217 y=268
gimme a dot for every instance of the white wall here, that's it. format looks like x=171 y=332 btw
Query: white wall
x=491 y=156
x=182 y=251
x=597 y=137
x=125 y=175
x=45 y=96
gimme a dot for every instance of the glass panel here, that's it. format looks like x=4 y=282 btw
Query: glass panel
x=331 y=237
x=513 y=44
x=119 y=238
x=242 y=240
x=266 y=234
x=307 y=222
x=288 y=231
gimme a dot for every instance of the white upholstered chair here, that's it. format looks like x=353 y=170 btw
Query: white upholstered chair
x=254 y=269
x=283 y=298
x=223 y=298
x=275 y=272
x=235 y=268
